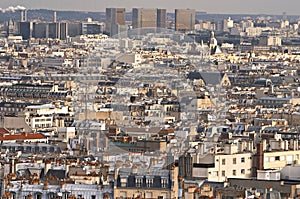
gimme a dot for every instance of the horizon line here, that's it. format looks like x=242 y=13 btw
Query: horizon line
x=168 y=11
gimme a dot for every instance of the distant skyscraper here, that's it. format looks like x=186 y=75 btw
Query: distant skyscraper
x=74 y=29
x=115 y=17
x=161 y=18
x=40 y=30
x=63 y=30
x=184 y=20
x=148 y=18
x=54 y=30
x=144 y=18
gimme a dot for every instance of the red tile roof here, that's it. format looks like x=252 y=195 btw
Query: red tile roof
x=22 y=136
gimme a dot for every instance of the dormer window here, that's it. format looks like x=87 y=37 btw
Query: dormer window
x=138 y=182
x=123 y=182
x=149 y=182
x=164 y=182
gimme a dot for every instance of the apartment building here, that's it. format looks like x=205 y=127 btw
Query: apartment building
x=140 y=183
x=226 y=162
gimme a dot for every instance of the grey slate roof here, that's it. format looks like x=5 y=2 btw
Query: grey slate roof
x=209 y=78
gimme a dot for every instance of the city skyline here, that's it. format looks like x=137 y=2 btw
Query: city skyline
x=224 y=6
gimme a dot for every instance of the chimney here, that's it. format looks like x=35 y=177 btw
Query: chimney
x=45 y=185
x=12 y=165
x=286 y=145
x=134 y=169
x=54 y=16
x=259 y=156
x=264 y=142
x=296 y=146
x=116 y=173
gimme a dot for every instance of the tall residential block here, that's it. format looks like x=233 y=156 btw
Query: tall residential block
x=184 y=20
x=115 y=20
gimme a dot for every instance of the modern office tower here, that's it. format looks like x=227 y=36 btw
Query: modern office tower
x=54 y=30
x=25 y=30
x=161 y=18
x=63 y=31
x=40 y=30
x=92 y=28
x=144 y=18
x=74 y=29
x=184 y=20
x=115 y=20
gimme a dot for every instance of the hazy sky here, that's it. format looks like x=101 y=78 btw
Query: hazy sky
x=291 y=7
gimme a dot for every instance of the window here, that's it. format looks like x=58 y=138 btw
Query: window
x=215 y=173
x=93 y=197
x=277 y=158
x=123 y=194
x=223 y=161
x=149 y=195
x=242 y=159
x=223 y=173
x=234 y=172
x=38 y=196
x=234 y=161
x=242 y=171
x=138 y=182
x=164 y=182
x=123 y=182
x=149 y=182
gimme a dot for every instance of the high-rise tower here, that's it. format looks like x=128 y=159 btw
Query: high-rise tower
x=115 y=20
x=144 y=18
x=184 y=20
x=161 y=18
